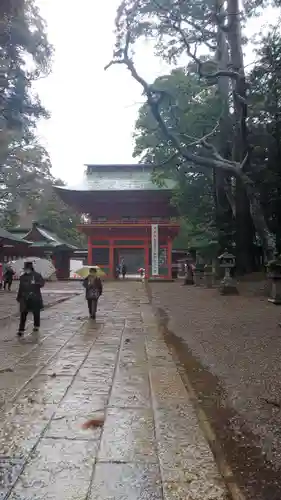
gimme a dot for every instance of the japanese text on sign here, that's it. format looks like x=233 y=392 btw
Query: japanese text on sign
x=154 y=250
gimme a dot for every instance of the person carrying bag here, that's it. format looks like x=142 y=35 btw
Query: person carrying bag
x=93 y=286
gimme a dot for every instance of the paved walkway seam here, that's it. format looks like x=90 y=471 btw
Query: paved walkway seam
x=106 y=407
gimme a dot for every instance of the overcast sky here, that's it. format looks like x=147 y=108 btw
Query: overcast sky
x=92 y=111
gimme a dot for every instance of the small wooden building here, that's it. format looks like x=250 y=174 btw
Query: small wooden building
x=10 y=244
x=40 y=242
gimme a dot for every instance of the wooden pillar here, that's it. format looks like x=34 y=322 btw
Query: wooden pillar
x=169 y=258
x=67 y=270
x=90 y=251
x=146 y=259
x=111 y=259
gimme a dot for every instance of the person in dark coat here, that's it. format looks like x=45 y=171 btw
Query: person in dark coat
x=30 y=297
x=124 y=270
x=117 y=272
x=8 y=277
x=93 y=286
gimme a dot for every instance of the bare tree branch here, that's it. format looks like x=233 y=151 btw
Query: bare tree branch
x=214 y=161
x=216 y=74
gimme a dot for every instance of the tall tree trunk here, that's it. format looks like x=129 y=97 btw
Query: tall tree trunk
x=245 y=233
x=222 y=181
x=267 y=239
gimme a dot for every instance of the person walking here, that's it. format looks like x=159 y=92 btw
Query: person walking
x=141 y=270
x=8 y=277
x=30 y=297
x=1 y=275
x=124 y=270
x=94 y=289
x=117 y=271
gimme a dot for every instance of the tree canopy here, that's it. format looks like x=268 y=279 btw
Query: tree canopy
x=26 y=181
x=25 y=55
x=213 y=142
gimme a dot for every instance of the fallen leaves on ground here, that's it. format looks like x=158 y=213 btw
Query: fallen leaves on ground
x=6 y=370
x=93 y=423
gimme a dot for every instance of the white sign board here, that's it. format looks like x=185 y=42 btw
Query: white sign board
x=154 y=250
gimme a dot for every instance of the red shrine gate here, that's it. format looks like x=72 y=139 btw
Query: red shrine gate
x=122 y=205
x=110 y=242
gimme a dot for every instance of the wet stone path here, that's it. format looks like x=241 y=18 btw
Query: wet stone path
x=53 y=293
x=117 y=371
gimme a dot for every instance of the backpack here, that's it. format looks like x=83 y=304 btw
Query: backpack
x=92 y=291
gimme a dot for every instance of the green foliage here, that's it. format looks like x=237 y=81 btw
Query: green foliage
x=59 y=218
x=159 y=20
x=265 y=128
x=194 y=235
x=25 y=55
x=24 y=175
x=26 y=182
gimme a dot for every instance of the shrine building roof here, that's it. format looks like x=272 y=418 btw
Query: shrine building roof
x=136 y=177
x=6 y=237
x=44 y=237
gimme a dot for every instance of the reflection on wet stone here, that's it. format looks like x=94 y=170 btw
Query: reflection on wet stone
x=10 y=469
x=58 y=470
x=167 y=386
x=130 y=389
x=22 y=428
x=126 y=482
x=128 y=436
x=44 y=389
x=77 y=402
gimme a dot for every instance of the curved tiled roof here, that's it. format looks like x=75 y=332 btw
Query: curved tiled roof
x=5 y=235
x=49 y=239
x=119 y=178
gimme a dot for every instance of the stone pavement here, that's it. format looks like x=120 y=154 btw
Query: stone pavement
x=53 y=293
x=118 y=370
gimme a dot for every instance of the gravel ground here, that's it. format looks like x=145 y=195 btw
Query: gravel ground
x=231 y=348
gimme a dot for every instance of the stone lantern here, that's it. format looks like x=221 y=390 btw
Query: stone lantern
x=274 y=274
x=227 y=284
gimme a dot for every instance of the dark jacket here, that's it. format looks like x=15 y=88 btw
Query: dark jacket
x=92 y=289
x=9 y=274
x=29 y=293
